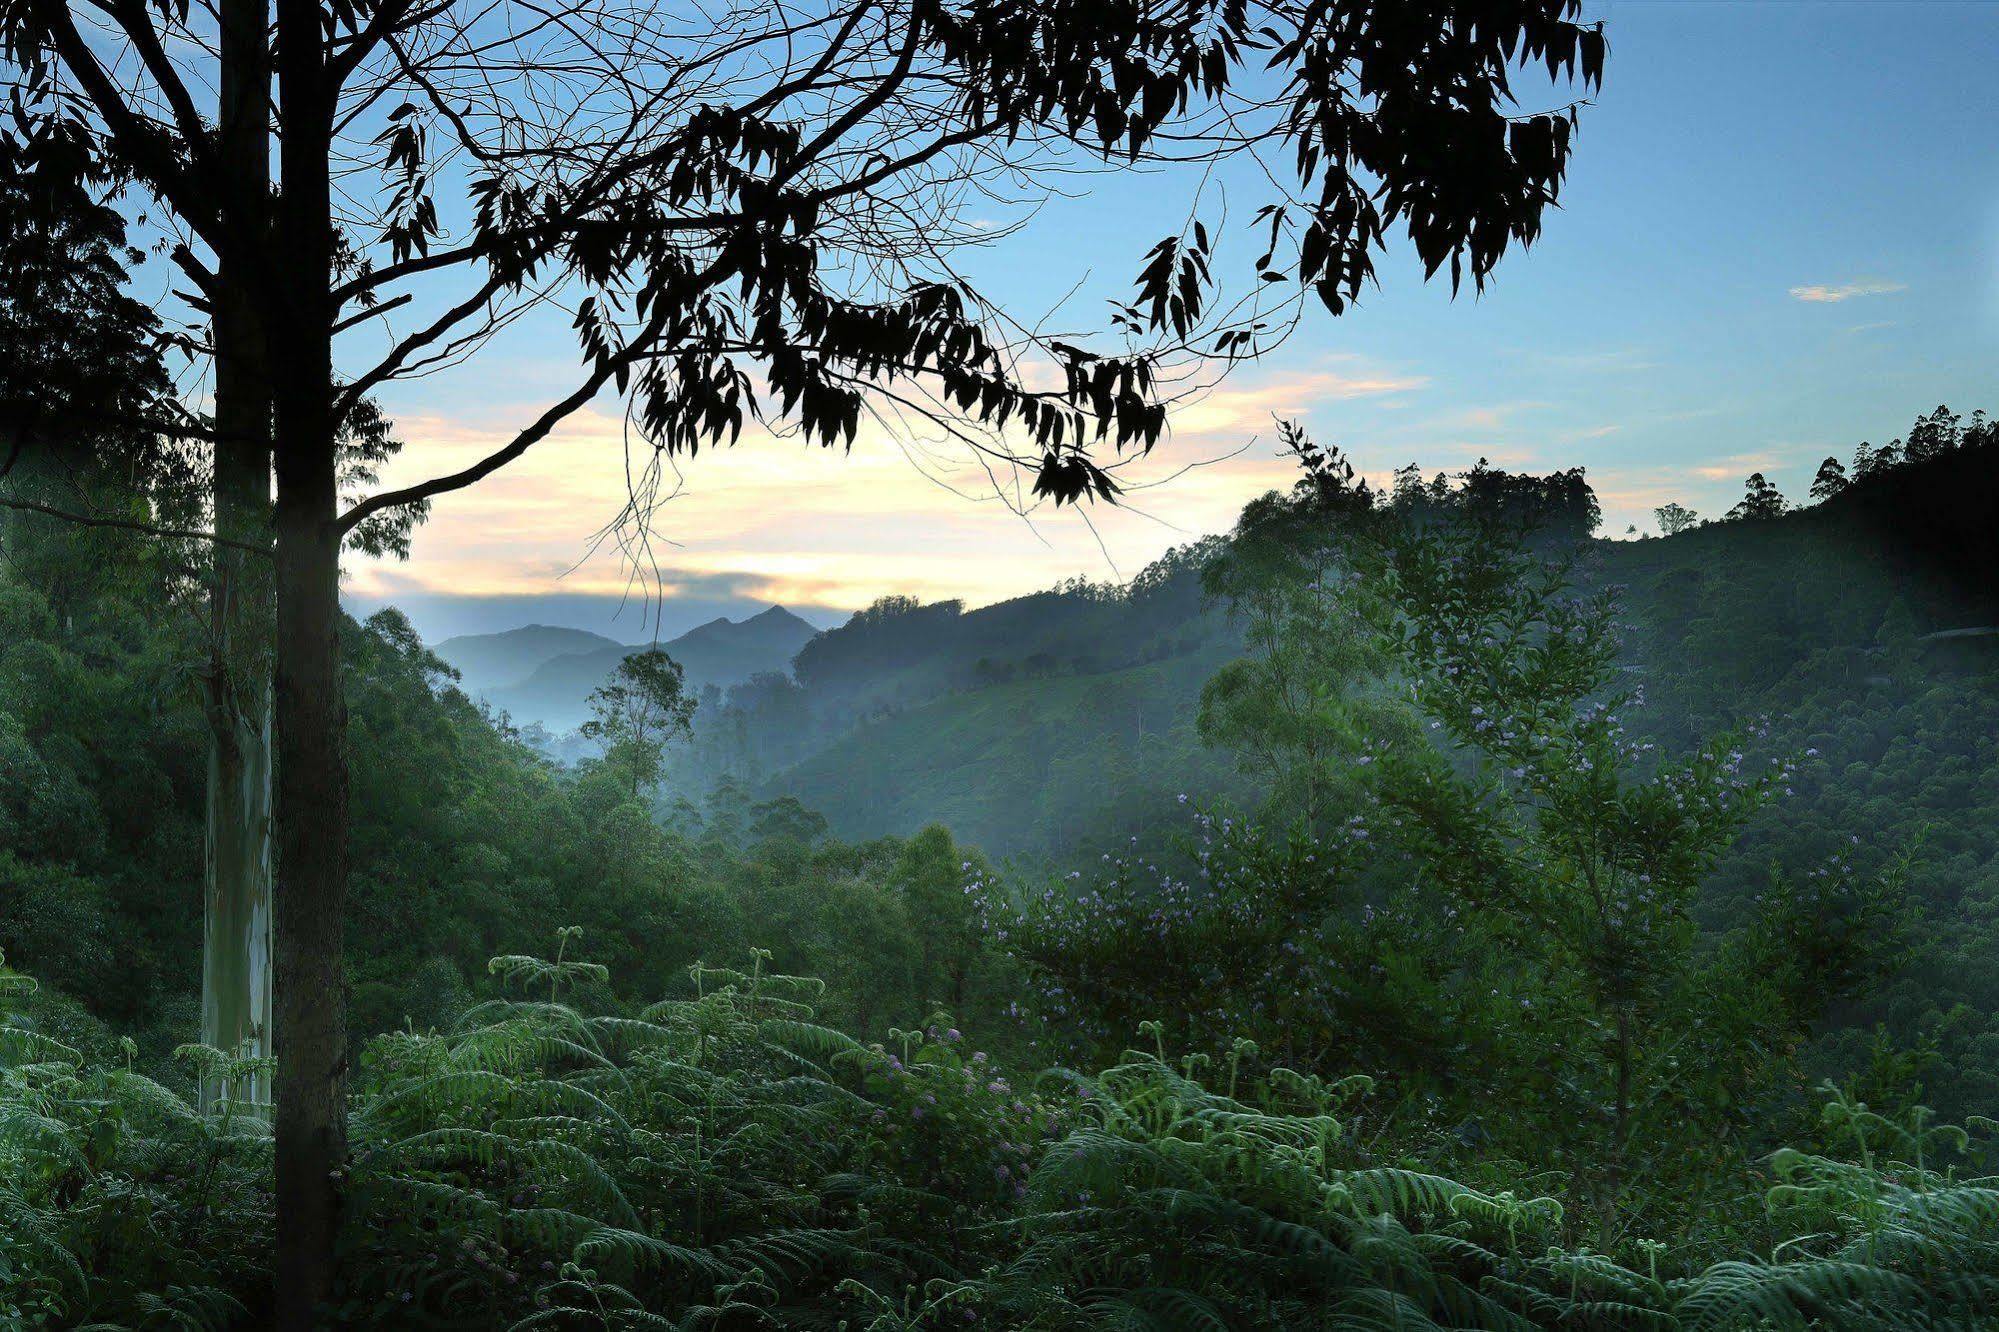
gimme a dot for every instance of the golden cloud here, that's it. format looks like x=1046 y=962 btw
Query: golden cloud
x=895 y=514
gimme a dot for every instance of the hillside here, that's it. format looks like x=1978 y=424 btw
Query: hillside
x=1857 y=631
x=1034 y=767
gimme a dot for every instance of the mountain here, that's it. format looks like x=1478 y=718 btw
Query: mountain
x=491 y=661
x=555 y=692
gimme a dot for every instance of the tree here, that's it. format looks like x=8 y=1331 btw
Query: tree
x=1281 y=576
x=1761 y=500
x=929 y=875
x=637 y=715
x=1870 y=461
x=772 y=193
x=1933 y=436
x=1534 y=807
x=1674 y=518
x=1829 y=481
x=238 y=910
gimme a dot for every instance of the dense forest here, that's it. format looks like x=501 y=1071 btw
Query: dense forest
x=1409 y=909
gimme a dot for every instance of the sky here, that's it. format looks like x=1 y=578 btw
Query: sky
x=1779 y=237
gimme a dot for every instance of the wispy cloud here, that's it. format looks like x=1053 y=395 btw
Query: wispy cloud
x=1246 y=406
x=1820 y=293
x=1740 y=466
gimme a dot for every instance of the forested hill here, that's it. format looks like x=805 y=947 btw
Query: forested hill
x=1036 y=726
x=1069 y=718
x=1858 y=627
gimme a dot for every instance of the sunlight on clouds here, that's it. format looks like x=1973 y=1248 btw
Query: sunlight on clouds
x=1250 y=409
x=787 y=521
x=1738 y=467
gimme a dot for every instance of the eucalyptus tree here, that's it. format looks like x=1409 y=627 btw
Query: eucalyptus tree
x=749 y=213
x=236 y=974
x=1829 y=480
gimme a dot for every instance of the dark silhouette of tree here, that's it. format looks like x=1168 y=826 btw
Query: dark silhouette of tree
x=1932 y=436
x=75 y=350
x=1830 y=480
x=1559 y=506
x=1674 y=518
x=1870 y=461
x=751 y=218
x=1760 y=500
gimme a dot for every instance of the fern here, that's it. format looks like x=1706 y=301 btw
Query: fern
x=722 y=1160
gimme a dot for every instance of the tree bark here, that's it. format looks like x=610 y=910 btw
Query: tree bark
x=236 y=954
x=236 y=948
x=311 y=1118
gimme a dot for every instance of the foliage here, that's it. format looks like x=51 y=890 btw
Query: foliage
x=721 y=1158
x=637 y=713
x=121 y=1201
x=1284 y=577
x=1762 y=499
x=1528 y=923
x=1674 y=518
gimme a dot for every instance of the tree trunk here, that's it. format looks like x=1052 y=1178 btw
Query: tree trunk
x=236 y=948
x=236 y=953
x=311 y=1118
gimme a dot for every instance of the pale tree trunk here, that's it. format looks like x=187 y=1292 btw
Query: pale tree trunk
x=311 y=1111
x=236 y=946
x=236 y=953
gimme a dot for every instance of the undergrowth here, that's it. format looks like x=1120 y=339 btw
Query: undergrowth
x=721 y=1161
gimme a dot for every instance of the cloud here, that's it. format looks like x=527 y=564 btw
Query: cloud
x=774 y=519
x=1740 y=466
x=1819 y=293
x=1243 y=406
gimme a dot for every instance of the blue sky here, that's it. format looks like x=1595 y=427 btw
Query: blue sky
x=1780 y=236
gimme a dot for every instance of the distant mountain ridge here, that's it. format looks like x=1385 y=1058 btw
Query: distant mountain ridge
x=542 y=674
x=493 y=661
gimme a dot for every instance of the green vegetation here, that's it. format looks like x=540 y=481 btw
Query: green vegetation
x=1592 y=956
x=722 y=1158
x=1422 y=915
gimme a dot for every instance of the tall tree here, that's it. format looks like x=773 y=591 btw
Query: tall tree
x=637 y=714
x=1828 y=481
x=237 y=972
x=1674 y=518
x=1933 y=436
x=84 y=375
x=1281 y=576
x=774 y=191
x=1760 y=499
